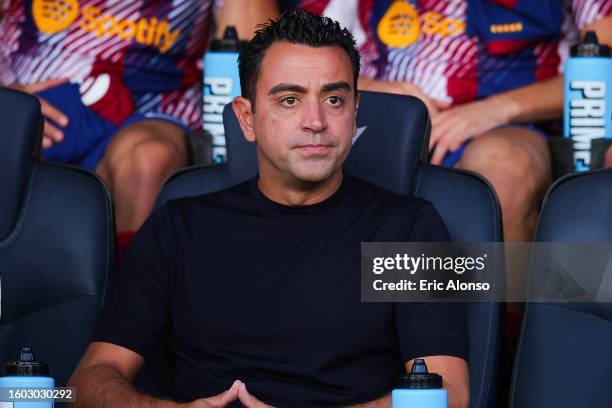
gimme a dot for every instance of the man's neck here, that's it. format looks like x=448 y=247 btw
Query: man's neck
x=299 y=193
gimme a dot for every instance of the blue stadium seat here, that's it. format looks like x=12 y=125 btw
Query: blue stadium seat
x=564 y=356
x=391 y=153
x=56 y=244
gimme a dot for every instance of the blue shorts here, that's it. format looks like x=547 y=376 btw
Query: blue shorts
x=87 y=134
x=452 y=158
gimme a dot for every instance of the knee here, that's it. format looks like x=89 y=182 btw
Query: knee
x=141 y=158
x=516 y=176
x=153 y=160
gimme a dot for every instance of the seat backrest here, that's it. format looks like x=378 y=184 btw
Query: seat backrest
x=390 y=153
x=56 y=245
x=568 y=345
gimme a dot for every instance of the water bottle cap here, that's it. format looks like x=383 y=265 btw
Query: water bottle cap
x=419 y=377
x=26 y=365
x=590 y=47
x=229 y=42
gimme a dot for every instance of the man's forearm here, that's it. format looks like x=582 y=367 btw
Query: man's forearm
x=539 y=101
x=245 y=15
x=103 y=386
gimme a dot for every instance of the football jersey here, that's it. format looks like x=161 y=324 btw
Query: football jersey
x=129 y=56
x=460 y=50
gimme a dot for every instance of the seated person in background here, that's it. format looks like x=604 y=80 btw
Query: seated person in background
x=135 y=83
x=484 y=82
x=258 y=286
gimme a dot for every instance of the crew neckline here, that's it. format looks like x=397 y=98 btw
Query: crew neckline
x=300 y=209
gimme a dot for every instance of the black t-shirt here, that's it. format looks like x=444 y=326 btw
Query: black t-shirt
x=250 y=289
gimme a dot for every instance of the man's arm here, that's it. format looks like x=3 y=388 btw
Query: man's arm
x=104 y=375
x=245 y=15
x=103 y=379
x=401 y=88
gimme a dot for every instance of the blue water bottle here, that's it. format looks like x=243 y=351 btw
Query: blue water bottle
x=587 y=107
x=419 y=389
x=25 y=374
x=221 y=86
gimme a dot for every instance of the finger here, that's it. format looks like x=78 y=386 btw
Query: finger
x=53 y=133
x=442 y=125
x=47 y=142
x=41 y=86
x=437 y=132
x=439 y=152
x=53 y=113
x=221 y=400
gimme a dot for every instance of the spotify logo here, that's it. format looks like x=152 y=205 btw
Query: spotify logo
x=52 y=16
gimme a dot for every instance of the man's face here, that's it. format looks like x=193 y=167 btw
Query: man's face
x=305 y=112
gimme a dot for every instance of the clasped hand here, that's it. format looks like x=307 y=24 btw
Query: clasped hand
x=237 y=392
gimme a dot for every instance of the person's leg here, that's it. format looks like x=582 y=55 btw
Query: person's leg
x=136 y=162
x=516 y=162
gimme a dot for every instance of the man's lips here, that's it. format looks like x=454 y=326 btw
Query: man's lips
x=315 y=148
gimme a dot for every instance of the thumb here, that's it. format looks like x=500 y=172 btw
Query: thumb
x=221 y=400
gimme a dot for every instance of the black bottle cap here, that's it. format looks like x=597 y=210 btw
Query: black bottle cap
x=229 y=42
x=590 y=47
x=26 y=365
x=419 y=377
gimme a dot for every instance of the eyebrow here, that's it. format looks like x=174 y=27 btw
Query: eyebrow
x=334 y=86
x=300 y=89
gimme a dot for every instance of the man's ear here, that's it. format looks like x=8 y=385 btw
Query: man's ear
x=242 y=109
x=356 y=111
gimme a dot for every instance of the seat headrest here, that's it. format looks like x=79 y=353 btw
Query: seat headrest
x=393 y=137
x=578 y=208
x=21 y=126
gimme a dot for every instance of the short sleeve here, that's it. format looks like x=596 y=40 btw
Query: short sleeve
x=136 y=311
x=431 y=328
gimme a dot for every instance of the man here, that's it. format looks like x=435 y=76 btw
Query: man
x=135 y=83
x=258 y=286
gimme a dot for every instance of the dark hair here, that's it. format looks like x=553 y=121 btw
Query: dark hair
x=296 y=27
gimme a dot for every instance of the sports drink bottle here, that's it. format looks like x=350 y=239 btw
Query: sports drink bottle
x=587 y=107
x=26 y=374
x=419 y=389
x=221 y=86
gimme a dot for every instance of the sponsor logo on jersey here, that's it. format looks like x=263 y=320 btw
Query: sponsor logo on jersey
x=54 y=16
x=401 y=25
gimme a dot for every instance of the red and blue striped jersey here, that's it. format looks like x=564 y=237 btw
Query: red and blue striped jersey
x=130 y=56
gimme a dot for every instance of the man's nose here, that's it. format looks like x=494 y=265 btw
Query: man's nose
x=314 y=117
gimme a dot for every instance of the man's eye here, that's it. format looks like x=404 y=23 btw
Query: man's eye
x=289 y=101
x=335 y=100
